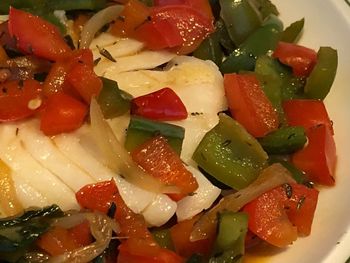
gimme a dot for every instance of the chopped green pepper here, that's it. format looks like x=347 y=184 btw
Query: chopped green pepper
x=229 y=243
x=266 y=7
x=291 y=33
x=259 y=43
x=141 y=129
x=320 y=81
x=224 y=38
x=163 y=238
x=241 y=19
x=230 y=154
x=285 y=140
x=297 y=175
x=111 y=99
x=210 y=49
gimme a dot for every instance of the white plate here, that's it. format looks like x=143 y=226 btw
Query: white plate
x=327 y=24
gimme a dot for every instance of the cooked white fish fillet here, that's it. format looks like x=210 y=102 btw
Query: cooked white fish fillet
x=31 y=172
x=45 y=152
x=202 y=198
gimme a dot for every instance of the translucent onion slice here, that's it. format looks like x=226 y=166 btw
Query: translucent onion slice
x=269 y=178
x=96 y=22
x=101 y=227
x=117 y=158
x=9 y=203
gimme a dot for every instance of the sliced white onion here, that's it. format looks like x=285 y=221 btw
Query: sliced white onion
x=117 y=158
x=269 y=178
x=101 y=228
x=96 y=22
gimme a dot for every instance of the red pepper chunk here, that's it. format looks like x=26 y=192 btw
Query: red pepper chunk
x=35 y=35
x=301 y=59
x=318 y=159
x=306 y=113
x=280 y=214
x=16 y=97
x=249 y=105
x=161 y=105
x=157 y=158
x=62 y=113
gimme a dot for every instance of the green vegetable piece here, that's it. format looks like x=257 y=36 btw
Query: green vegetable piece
x=274 y=20
x=229 y=243
x=266 y=7
x=112 y=100
x=163 y=238
x=241 y=19
x=285 y=140
x=292 y=33
x=320 y=81
x=297 y=175
x=210 y=49
x=230 y=154
x=224 y=38
x=141 y=129
x=259 y=43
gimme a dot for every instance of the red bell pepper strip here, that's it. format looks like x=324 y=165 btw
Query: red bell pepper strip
x=157 y=158
x=306 y=113
x=16 y=97
x=280 y=214
x=162 y=105
x=249 y=105
x=301 y=59
x=62 y=113
x=36 y=36
x=318 y=159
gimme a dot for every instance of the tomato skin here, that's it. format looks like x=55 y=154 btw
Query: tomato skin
x=192 y=25
x=318 y=159
x=249 y=105
x=35 y=35
x=157 y=158
x=300 y=59
x=14 y=98
x=62 y=113
x=163 y=105
x=180 y=235
x=278 y=215
x=306 y=113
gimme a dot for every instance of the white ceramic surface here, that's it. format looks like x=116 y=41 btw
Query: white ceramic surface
x=327 y=24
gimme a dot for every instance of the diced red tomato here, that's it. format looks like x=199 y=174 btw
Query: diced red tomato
x=57 y=241
x=159 y=35
x=301 y=59
x=35 y=35
x=201 y=5
x=134 y=14
x=306 y=113
x=180 y=235
x=84 y=80
x=62 y=113
x=55 y=81
x=16 y=97
x=249 y=105
x=163 y=105
x=318 y=159
x=162 y=162
x=280 y=214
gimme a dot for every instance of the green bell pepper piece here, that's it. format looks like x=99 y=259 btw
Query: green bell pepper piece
x=321 y=78
x=285 y=140
x=297 y=175
x=229 y=243
x=274 y=20
x=224 y=38
x=241 y=19
x=292 y=33
x=230 y=154
x=112 y=100
x=163 y=238
x=259 y=43
x=210 y=49
x=141 y=129
x=266 y=7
